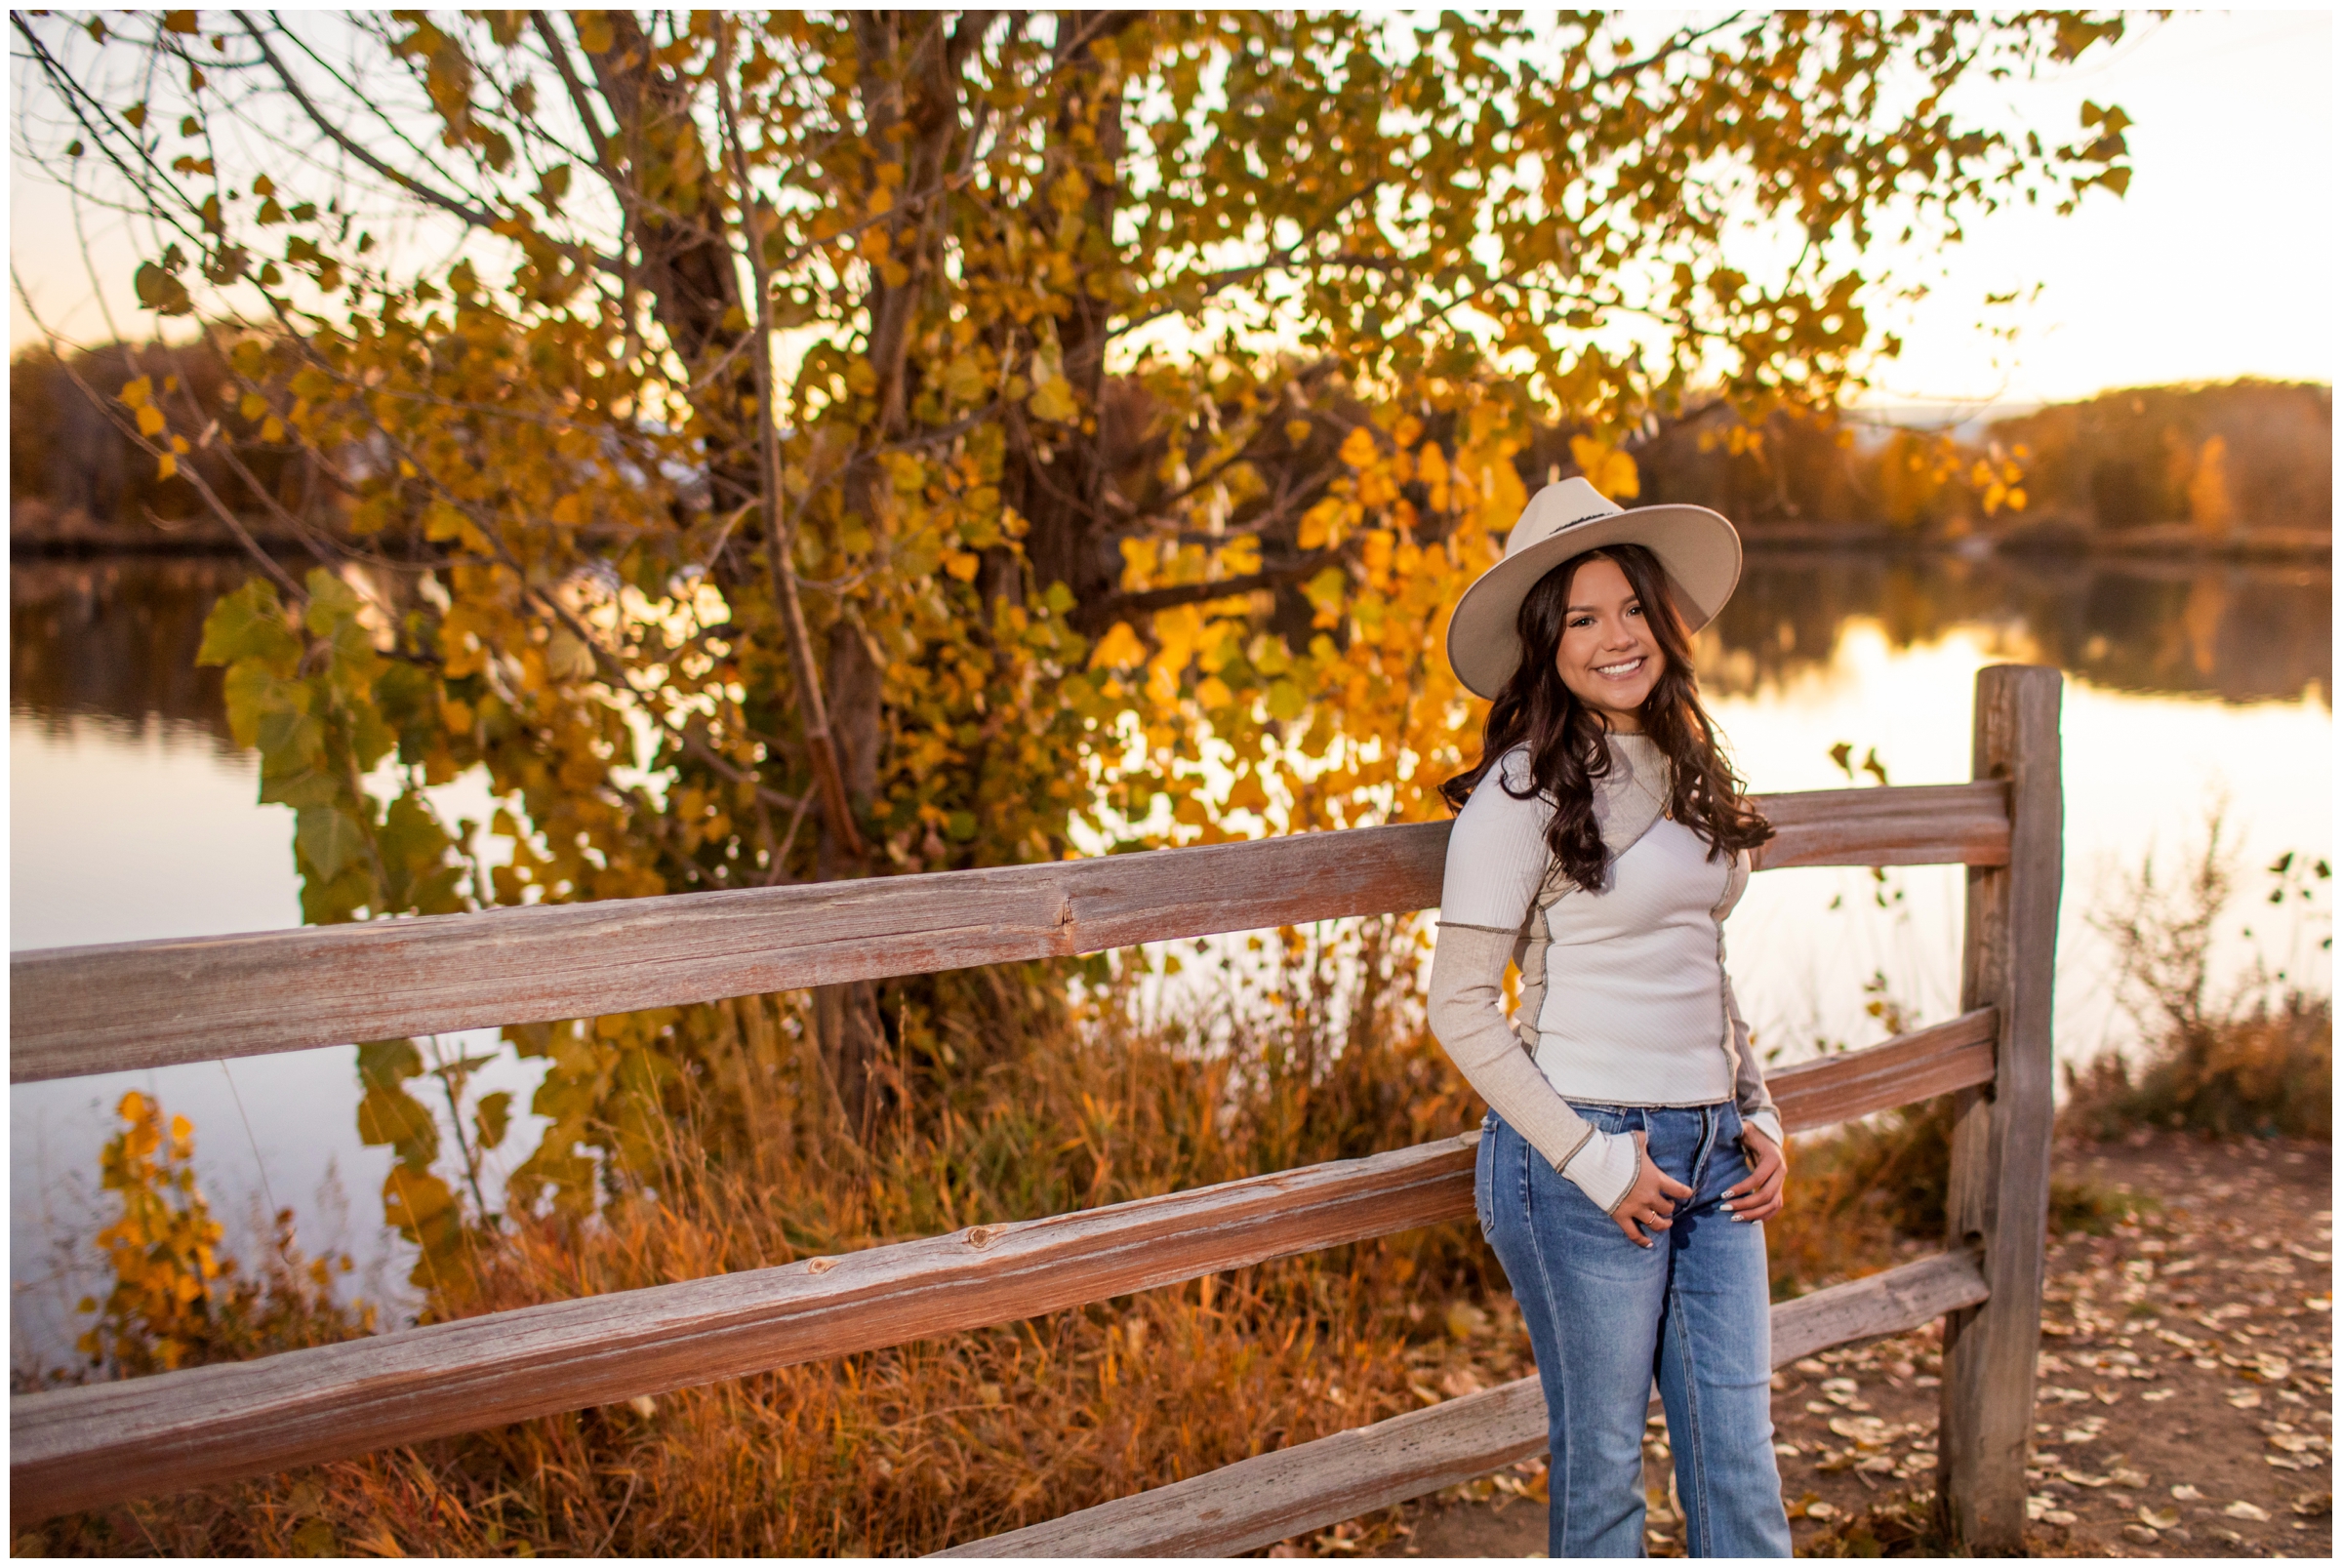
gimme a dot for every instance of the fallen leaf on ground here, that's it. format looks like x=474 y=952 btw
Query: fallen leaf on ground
x=2155 y=1520
x=2186 y=1493
x=2242 y=1509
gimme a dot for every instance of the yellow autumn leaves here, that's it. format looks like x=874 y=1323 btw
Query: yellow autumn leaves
x=161 y=1248
x=1411 y=521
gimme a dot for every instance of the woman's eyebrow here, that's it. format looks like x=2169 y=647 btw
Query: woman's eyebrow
x=1632 y=599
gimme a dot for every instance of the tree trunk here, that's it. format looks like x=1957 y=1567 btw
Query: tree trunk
x=1063 y=498
x=855 y=1046
x=688 y=271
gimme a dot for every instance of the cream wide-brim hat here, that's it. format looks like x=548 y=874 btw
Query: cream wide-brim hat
x=1698 y=549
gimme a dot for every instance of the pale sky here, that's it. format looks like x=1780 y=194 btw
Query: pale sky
x=2219 y=263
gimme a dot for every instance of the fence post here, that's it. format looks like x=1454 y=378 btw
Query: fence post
x=1999 y=1194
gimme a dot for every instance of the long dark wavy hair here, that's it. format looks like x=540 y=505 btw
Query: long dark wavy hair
x=1565 y=737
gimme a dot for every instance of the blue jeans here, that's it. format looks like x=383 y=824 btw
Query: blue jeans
x=1606 y=1317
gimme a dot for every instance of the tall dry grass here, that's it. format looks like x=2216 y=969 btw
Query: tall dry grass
x=917 y=1447
x=2256 y=1057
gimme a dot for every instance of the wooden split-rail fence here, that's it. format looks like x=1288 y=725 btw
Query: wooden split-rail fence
x=146 y=1004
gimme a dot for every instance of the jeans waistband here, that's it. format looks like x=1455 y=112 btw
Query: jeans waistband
x=1709 y=1107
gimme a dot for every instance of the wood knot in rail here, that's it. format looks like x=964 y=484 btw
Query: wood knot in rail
x=981 y=1237
x=820 y=1265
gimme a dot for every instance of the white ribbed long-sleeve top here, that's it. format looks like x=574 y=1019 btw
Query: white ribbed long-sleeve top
x=1625 y=1000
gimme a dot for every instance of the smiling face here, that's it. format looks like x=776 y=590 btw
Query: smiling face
x=1608 y=657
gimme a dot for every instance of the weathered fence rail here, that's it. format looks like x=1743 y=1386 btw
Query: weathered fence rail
x=97 y=1009
x=148 y=1004
x=1312 y=1485
x=78 y=1447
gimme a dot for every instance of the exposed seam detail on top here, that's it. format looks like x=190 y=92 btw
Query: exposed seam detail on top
x=1645 y=1104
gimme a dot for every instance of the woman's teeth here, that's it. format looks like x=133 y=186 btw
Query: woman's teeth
x=1615 y=670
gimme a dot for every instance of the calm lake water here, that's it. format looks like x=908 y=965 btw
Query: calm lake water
x=2188 y=689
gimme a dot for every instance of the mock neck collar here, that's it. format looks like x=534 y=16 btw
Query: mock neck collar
x=1633 y=794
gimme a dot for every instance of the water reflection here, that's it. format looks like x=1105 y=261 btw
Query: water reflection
x=2240 y=632
x=116 y=638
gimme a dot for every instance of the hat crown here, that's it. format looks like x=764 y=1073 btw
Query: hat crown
x=1559 y=506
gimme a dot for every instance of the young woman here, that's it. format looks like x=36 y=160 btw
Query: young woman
x=1630 y=1152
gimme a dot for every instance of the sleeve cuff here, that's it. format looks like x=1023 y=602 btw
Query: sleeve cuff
x=1604 y=1167
x=1768 y=1122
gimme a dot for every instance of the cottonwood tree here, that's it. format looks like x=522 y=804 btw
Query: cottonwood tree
x=812 y=445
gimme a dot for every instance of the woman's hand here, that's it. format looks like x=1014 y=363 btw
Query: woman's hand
x=1759 y=1197
x=1650 y=1200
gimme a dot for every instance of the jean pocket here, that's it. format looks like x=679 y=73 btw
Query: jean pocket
x=1608 y=1118
x=1484 y=1183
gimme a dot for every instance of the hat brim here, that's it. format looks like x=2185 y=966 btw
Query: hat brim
x=1698 y=549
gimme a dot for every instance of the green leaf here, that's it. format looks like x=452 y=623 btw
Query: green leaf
x=332 y=603
x=1053 y=400
x=305 y=787
x=250 y=623
x=414 y=847
x=291 y=739
x=330 y=839
x=252 y=693
x=407 y=698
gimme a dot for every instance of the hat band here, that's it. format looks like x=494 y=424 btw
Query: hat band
x=1563 y=527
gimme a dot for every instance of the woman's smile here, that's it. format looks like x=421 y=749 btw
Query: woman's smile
x=1609 y=656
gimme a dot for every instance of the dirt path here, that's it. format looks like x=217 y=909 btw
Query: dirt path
x=2185 y=1392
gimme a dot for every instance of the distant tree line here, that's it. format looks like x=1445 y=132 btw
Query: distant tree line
x=75 y=464
x=2244 y=453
